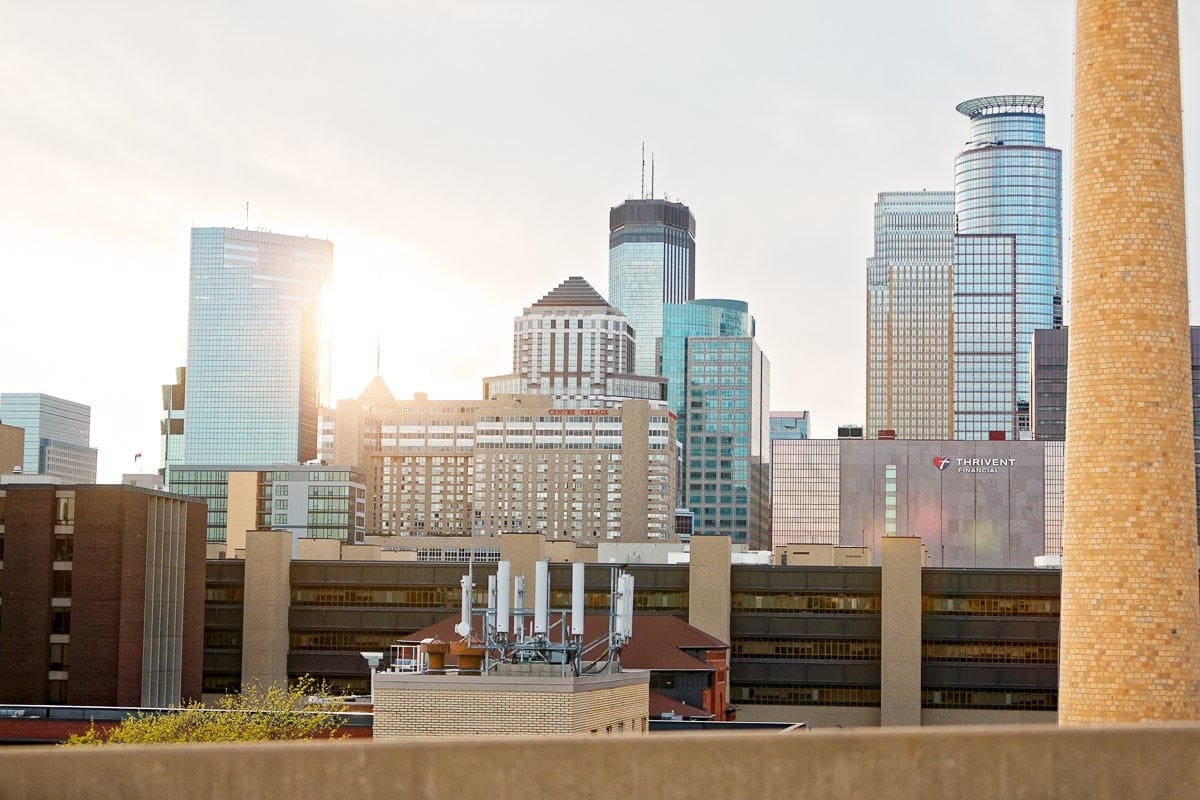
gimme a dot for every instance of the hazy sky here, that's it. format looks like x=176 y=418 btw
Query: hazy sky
x=463 y=157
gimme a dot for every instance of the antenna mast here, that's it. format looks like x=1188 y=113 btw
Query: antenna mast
x=247 y=215
x=643 y=170
x=652 y=176
x=378 y=348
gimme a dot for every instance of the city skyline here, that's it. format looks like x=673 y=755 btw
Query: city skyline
x=476 y=193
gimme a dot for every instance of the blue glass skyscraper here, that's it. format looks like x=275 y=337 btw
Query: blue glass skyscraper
x=651 y=261
x=57 y=435
x=254 y=338
x=1008 y=271
x=718 y=386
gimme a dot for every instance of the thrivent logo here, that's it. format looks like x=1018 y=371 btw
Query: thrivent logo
x=941 y=462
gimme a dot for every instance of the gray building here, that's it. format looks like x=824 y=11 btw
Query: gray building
x=972 y=503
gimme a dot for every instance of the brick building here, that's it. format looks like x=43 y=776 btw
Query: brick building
x=102 y=593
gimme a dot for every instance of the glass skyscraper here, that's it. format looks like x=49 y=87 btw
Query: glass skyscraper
x=1007 y=261
x=254 y=341
x=651 y=261
x=718 y=386
x=909 y=356
x=57 y=435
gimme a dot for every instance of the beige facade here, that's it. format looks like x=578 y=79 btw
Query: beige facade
x=1130 y=633
x=12 y=448
x=423 y=705
x=514 y=463
x=708 y=598
x=267 y=601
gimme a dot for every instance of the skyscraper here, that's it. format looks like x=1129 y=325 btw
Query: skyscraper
x=1007 y=261
x=573 y=346
x=651 y=261
x=253 y=346
x=718 y=385
x=909 y=331
x=57 y=435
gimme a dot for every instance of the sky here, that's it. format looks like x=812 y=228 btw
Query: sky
x=463 y=157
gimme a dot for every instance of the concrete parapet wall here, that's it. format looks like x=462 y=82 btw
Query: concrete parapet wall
x=1145 y=762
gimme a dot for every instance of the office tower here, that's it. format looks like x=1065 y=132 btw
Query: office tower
x=171 y=426
x=1130 y=599
x=57 y=435
x=727 y=450
x=651 y=261
x=1007 y=261
x=573 y=346
x=909 y=332
x=103 y=596
x=253 y=383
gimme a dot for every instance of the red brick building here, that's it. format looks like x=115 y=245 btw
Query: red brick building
x=101 y=595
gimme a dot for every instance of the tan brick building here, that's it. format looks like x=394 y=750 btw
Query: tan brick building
x=1130 y=605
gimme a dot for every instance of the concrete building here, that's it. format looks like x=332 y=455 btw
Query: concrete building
x=836 y=644
x=512 y=463
x=651 y=261
x=254 y=343
x=57 y=435
x=972 y=504
x=311 y=501
x=573 y=346
x=1130 y=598
x=103 y=595
x=910 y=378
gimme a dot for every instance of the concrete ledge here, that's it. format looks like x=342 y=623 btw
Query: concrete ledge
x=493 y=683
x=1144 y=762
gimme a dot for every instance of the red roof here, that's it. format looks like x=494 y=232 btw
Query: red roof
x=660 y=704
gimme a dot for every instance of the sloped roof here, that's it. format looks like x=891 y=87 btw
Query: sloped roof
x=377 y=392
x=660 y=704
x=657 y=643
x=574 y=291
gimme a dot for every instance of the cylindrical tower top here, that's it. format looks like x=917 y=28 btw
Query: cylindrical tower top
x=1002 y=104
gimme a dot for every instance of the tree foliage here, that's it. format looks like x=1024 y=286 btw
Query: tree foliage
x=256 y=713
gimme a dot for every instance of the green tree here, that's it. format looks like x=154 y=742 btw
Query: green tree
x=303 y=711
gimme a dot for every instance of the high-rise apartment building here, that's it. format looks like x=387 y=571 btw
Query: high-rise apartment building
x=651 y=261
x=909 y=331
x=57 y=435
x=512 y=463
x=254 y=345
x=1008 y=274
x=573 y=346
